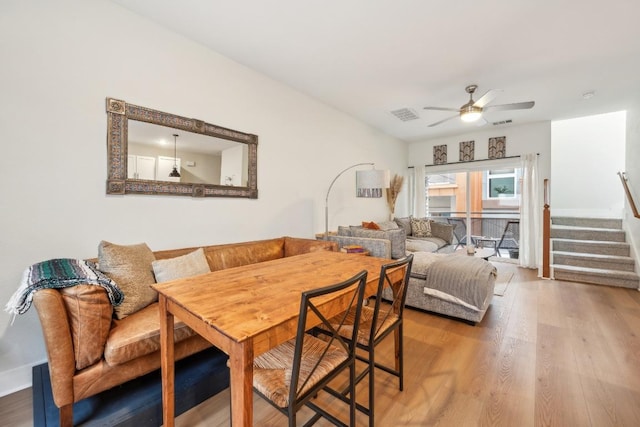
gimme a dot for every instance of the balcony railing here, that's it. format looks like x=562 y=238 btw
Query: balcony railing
x=496 y=229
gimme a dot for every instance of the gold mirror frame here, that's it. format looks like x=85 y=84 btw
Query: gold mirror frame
x=118 y=114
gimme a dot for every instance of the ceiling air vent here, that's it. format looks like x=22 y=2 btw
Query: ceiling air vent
x=405 y=114
x=502 y=122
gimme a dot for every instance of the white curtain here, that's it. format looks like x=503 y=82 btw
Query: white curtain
x=411 y=190
x=530 y=214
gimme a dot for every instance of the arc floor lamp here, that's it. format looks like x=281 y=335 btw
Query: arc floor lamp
x=369 y=183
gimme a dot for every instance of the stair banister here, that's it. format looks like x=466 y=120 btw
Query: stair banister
x=546 y=233
x=623 y=178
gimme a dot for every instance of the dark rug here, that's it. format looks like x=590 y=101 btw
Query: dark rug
x=136 y=403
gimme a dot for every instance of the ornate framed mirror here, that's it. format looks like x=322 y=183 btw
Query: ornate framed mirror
x=152 y=152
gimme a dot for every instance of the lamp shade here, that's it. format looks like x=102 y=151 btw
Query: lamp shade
x=369 y=183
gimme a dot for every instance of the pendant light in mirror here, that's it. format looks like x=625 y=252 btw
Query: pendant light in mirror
x=174 y=173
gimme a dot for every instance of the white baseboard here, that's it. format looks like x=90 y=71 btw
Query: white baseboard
x=16 y=379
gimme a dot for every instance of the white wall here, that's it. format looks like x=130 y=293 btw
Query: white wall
x=60 y=61
x=530 y=138
x=235 y=165
x=632 y=168
x=587 y=154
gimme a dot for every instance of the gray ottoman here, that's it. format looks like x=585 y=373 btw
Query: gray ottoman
x=455 y=285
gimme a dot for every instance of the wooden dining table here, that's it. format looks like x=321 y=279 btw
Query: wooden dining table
x=247 y=310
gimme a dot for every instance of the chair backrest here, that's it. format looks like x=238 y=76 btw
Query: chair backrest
x=317 y=307
x=394 y=275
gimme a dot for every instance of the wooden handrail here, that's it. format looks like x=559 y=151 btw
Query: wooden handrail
x=623 y=178
x=546 y=233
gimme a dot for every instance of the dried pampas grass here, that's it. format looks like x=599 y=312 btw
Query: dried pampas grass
x=395 y=185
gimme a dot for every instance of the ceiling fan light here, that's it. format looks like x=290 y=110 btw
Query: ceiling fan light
x=470 y=114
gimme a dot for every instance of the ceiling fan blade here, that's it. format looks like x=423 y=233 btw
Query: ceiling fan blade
x=481 y=122
x=442 y=121
x=514 y=106
x=487 y=98
x=442 y=109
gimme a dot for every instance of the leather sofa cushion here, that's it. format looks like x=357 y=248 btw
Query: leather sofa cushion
x=139 y=334
x=238 y=254
x=297 y=247
x=234 y=254
x=90 y=313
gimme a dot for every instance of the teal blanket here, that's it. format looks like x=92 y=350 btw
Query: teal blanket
x=60 y=273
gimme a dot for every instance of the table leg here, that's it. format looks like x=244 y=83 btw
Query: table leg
x=167 y=360
x=241 y=378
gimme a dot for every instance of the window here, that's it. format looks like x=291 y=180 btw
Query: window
x=501 y=183
x=483 y=199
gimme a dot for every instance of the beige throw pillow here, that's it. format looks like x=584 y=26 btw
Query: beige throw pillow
x=420 y=227
x=130 y=267
x=191 y=264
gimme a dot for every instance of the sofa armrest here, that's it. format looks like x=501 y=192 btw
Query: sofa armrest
x=380 y=248
x=57 y=337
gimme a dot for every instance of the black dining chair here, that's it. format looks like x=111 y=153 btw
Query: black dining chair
x=510 y=237
x=376 y=323
x=291 y=374
x=459 y=231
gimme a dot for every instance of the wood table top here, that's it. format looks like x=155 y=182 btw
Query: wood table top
x=244 y=302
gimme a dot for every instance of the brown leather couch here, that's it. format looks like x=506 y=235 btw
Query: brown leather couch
x=74 y=319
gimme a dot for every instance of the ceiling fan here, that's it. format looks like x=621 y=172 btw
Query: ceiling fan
x=472 y=110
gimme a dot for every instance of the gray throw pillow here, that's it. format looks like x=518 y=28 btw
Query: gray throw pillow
x=442 y=231
x=405 y=224
x=388 y=225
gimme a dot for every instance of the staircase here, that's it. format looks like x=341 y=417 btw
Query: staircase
x=592 y=250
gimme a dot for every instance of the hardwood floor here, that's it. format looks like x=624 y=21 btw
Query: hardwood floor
x=548 y=353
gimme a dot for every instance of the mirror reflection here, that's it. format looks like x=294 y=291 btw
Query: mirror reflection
x=154 y=151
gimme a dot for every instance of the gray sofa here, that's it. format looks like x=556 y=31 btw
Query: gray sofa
x=395 y=238
x=441 y=238
x=443 y=282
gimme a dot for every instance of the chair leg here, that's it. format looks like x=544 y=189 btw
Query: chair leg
x=372 y=383
x=397 y=337
x=400 y=356
x=66 y=415
x=352 y=394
